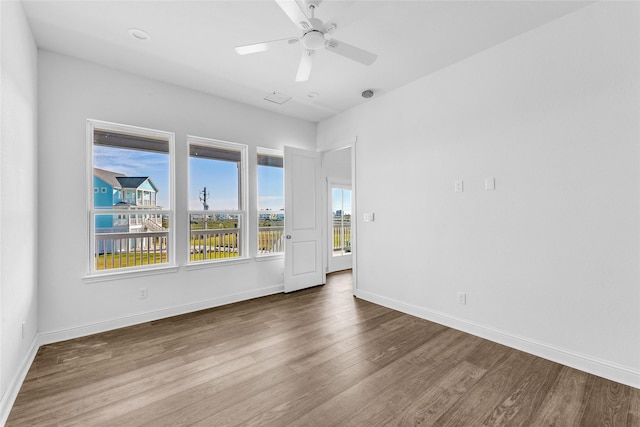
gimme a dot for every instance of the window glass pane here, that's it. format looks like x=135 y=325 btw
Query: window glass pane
x=341 y=202
x=216 y=216
x=123 y=169
x=214 y=182
x=116 y=246
x=214 y=236
x=132 y=172
x=270 y=204
x=271 y=188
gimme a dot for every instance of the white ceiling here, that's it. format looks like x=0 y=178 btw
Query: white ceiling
x=192 y=43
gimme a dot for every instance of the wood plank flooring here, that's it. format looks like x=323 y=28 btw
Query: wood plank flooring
x=318 y=357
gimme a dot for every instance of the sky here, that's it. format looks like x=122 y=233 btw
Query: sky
x=219 y=177
x=341 y=200
x=270 y=188
x=221 y=180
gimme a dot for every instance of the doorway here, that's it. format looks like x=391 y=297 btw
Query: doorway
x=305 y=198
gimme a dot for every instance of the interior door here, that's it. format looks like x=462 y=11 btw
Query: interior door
x=303 y=219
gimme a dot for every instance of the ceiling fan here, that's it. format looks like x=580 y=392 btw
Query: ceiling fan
x=315 y=36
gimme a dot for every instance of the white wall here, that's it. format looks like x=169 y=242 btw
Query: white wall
x=18 y=201
x=72 y=91
x=336 y=165
x=550 y=259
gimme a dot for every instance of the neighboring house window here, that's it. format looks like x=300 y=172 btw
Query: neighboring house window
x=217 y=200
x=126 y=233
x=270 y=202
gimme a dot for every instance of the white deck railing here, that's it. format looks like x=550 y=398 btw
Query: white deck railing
x=125 y=249
x=341 y=237
x=214 y=244
x=121 y=250
x=270 y=240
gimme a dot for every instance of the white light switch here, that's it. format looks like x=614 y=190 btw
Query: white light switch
x=489 y=183
x=462 y=298
x=458 y=186
x=369 y=217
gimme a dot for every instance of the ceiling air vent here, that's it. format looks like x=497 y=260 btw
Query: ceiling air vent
x=278 y=98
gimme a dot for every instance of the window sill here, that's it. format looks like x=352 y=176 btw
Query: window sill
x=216 y=263
x=268 y=257
x=118 y=275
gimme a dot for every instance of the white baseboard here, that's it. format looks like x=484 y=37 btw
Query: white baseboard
x=121 y=322
x=591 y=365
x=9 y=397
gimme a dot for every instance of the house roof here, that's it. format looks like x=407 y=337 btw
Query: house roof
x=109 y=177
x=134 y=181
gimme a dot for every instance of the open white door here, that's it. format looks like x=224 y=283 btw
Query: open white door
x=303 y=223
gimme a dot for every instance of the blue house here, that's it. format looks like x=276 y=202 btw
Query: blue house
x=115 y=189
x=112 y=190
x=106 y=194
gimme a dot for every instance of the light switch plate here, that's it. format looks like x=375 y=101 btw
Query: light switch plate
x=458 y=186
x=462 y=298
x=489 y=183
x=369 y=217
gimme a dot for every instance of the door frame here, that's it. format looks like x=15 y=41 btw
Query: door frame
x=342 y=144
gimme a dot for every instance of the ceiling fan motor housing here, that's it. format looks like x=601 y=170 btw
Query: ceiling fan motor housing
x=315 y=36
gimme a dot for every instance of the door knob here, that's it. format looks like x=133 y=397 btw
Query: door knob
x=288 y=236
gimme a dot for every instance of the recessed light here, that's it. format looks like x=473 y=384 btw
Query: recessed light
x=313 y=94
x=139 y=34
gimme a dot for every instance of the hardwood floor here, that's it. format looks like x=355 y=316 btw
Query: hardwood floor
x=317 y=357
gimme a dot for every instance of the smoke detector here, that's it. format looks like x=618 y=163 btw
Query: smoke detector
x=367 y=93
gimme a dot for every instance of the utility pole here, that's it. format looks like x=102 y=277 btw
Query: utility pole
x=203 y=198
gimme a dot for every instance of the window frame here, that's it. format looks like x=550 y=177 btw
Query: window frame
x=243 y=202
x=273 y=153
x=170 y=211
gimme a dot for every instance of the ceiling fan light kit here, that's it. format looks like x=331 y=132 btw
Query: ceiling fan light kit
x=313 y=40
x=315 y=37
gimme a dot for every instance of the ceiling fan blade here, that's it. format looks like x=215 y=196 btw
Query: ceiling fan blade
x=261 y=47
x=304 y=69
x=351 y=52
x=293 y=10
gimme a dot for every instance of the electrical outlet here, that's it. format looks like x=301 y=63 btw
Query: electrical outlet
x=458 y=186
x=143 y=293
x=462 y=298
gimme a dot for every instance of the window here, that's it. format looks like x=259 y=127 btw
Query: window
x=341 y=202
x=126 y=233
x=217 y=205
x=270 y=202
